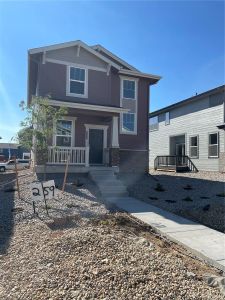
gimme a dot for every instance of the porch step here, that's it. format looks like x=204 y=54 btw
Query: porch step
x=108 y=184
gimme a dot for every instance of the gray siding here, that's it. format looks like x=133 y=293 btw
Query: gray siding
x=196 y=118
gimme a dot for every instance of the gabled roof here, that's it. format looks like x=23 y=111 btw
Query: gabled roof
x=115 y=61
x=72 y=44
x=187 y=101
x=110 y=54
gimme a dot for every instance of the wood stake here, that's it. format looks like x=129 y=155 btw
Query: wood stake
x=17 y=179
x=66 y=171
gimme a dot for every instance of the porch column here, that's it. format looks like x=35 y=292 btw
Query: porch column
x=115 y=133
x=114 y=150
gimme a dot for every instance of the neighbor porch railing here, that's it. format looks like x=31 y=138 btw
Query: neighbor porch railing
x=76 y=155
x=174 y=162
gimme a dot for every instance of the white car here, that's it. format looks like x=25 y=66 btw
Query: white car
x=10 y=165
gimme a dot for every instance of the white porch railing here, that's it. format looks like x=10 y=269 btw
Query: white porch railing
x=77 y=155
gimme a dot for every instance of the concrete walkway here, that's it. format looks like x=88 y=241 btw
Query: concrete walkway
x=206 y=243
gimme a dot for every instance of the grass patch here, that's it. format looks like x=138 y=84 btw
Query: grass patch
x=188 y=199
x=188 y=187
x=221 y=194
x=153 y=198
x=159 y=188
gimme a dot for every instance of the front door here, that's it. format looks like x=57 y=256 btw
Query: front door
x=96 y=146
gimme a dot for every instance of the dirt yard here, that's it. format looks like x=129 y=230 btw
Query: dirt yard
x=84 y=251
x=196 y=196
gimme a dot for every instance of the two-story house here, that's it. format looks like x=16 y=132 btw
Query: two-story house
x=107 y=101
x=190 y=130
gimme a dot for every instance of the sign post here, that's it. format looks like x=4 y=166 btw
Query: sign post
x=43 y=191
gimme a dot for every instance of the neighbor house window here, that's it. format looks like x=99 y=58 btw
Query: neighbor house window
x=129 y=89
x=77 y=82
x=214 y=144
x=154 y=123
x=194 y=146
x=128 y=125
x=167 y=118
x=1 y=150
x=63 y=135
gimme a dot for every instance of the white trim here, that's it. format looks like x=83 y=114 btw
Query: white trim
x=122 y=131
x=43 y=57
x=115 y=132
x=100 y=127
x=88 y=106
x=217 y=133
x=190 y=146
x=120 y=60
x=71 y=44
x=67 y=63
x=134 y=150
x=139 y=74
x=78 y=50
x=68 y=80
x=67 y=118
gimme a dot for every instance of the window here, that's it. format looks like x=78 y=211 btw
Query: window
x=77 y=83
x=154 y=123
x=194 y=144
x=128 y=122
x=214 y=144
x=63 y=135
x=129 y=90
x=1 y=150
x=167 y=118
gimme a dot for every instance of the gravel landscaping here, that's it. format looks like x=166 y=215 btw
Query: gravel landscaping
x=197 y=196
x=81 y=250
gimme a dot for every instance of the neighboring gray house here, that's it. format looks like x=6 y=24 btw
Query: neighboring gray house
x=192 y=128
x=107 y=101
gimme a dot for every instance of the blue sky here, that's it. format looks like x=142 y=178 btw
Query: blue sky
x=183 y=41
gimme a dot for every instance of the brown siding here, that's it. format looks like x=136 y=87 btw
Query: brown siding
x=139 y=141
x=53 y=82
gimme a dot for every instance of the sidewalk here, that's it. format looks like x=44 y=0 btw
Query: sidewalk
x=205 y=243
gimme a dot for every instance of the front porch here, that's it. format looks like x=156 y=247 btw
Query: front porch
x=84 y=138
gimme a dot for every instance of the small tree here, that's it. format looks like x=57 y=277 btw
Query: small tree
x=38 y=124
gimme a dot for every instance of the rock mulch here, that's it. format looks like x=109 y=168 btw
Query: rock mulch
x=197 y=196
x=85 y=252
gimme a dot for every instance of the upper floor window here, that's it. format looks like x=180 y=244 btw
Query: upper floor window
x=63 y=136
x=129 y=89
x=154 y=123
x=77 y=82
x=194 y=146
x=214 y=144
x=167 y=118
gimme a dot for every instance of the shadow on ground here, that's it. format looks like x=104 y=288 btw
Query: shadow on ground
x=7 y=194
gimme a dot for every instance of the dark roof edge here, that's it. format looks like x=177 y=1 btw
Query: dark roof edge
x=187 y=101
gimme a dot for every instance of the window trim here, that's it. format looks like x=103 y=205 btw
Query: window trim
x=151 y=130
x=68 y=80
x=136 y=80
x=191 y=136
x=167 y=122
x=218 y=137
x=72 y=119
x=135 y=88
x=124 y=131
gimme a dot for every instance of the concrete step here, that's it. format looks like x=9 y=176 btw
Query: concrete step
x=110 y=189
x=111 y=183
x=103 y=178
x=114 y=194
